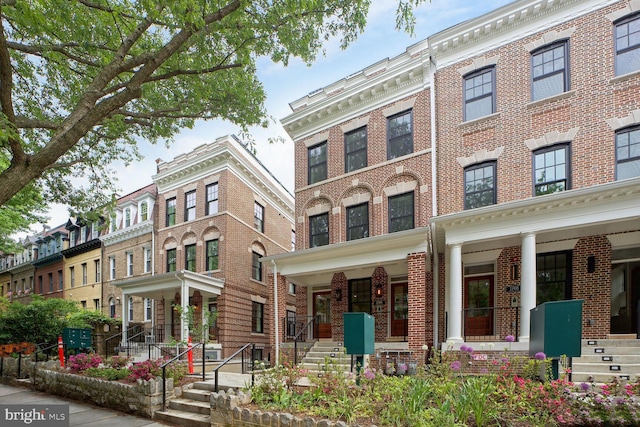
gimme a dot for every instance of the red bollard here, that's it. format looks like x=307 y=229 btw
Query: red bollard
x=190 y=355
x=61 y=352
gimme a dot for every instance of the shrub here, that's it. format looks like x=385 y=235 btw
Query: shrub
x=119 y=362
x=81 y=362
x=146 y=370
x=110 y=374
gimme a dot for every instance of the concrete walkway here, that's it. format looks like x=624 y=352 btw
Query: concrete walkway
x=80 y=413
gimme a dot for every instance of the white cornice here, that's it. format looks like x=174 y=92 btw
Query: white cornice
x=381 y=84
x=226 y=153
x=127 y=233
x=504 y=25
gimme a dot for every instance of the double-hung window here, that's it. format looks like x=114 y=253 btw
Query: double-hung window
x=258 y=217
x=480 y=185
x=551 y=169
x=171 y=212
x=319 y=230
x=317 y=160
x=84 y=273
x=257 y=317
x=127 y=217
x=401 y=212
x=256 y=267
x=550 y=70
x=479 y=94
x=358 y=221
x=190 y=206
x=147 y=259
x=72 y=276
x=212 y=199
x=144 y=211
x=171 y=260
x=399 y=135
x=628 y=153
x=148 y=304
x=96 y=264
x=627 y=35
x=212 y=255
x=112 y=268
x=355 y=149
x=129 y=263
x=190 y=257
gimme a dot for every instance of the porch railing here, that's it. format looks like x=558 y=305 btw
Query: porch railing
x=112 y=343
x=299 y=326
x=394 y=321
x=491 y=323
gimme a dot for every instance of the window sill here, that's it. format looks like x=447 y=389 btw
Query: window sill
x=478 y=120
x=557 y=97
x=624 y=77
x=258 y=282
x=258 y=334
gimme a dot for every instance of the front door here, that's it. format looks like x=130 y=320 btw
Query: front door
x=322 y=314
x=625 y=298
x=478 y=301
x=399 y=314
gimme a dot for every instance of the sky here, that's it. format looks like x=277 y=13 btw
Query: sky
x=283 y=85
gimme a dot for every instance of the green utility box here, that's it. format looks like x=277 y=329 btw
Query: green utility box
x=76 y=338
x=359 y=335
x=556 y=329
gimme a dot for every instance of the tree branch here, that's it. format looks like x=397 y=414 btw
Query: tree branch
x=40 y=49
x=27 y=123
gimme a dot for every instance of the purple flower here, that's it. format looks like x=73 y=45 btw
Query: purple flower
x=469 y=349
x=504 y=360
x=463 y=347
x=540 y=356
x=369 y=374
x=509 y=338
x=455 y=365
x=585 y=386
x=484 y=371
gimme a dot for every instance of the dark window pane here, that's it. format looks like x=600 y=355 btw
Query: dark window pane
x=628 y=153
x=628 y=45
x=401 y=212
x=479 y=186
x=479 y=97
x=549 y=71
x=355 y=149
x=358 y=221
x=319 y=230
x=317 y=158
x=400 y=135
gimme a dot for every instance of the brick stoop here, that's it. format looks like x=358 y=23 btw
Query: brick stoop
x=602 y=360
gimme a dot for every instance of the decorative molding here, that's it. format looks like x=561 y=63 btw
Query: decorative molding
x=481 y=257
x=633 y=118
x=399 y=107
x=562 y=245
x=400 y=187
x=356 y=199
x=631 y=7
x=355 y=124
x=548 y=38
x=480 y=156
x=318 y=209
x=316 y=139
x=258 y=299
x=551 y=138
x=624 y=240
x=479 y=63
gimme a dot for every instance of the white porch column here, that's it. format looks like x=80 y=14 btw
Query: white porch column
x=454 y=327
x=125 y=318
x=527 y=283
x=184 y=302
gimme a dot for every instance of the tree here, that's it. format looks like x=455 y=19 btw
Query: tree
x=81 y=81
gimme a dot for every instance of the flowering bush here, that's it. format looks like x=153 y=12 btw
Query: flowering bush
x=119 y=362
x=81 y=362
x=145 y=370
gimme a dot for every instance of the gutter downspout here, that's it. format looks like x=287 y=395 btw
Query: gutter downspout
x=275 y=311
x=434 y=197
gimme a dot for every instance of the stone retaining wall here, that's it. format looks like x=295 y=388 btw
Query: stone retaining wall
x=143 y=398
x=227 y=411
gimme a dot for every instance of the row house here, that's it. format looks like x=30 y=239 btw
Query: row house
x=49 y=262
x=217 y=211
x=128 y=252
x=82 y=263
x=490 y=168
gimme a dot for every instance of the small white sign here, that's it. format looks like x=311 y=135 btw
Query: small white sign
x=477 y=356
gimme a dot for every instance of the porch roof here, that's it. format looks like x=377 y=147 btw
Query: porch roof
x=601 y=209
x=166 y=284
x=356 y=258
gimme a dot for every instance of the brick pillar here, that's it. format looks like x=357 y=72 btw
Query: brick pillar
x=280 y=313
x=339 y=281
x=417 y=291
x=379 y=282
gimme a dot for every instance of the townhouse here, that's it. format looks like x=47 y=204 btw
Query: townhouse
x=490 y=168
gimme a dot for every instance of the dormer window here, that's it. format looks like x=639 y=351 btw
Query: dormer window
x=144 y=211
x=127 y=217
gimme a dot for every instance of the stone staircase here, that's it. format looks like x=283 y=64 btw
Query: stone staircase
x=602 y=360
x=192 y=408
x=325 y=355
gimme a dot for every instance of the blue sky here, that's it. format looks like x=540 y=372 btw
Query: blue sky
x=380 y=40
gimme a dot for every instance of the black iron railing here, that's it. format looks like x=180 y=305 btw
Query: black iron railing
x=299 y=326
x=172 y=360
x=247 y=353
x=491 y=323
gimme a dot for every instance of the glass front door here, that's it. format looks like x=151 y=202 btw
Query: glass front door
x=625 y=297
x=400 y=310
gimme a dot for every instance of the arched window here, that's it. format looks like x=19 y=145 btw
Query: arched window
x=112 y=307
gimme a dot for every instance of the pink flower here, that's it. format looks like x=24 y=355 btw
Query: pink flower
x=509 y=338
x=455 y=365
x=540 y=356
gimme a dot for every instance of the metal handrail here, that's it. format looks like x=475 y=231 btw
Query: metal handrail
x=118 y=335
x=225 y=361
x=296 y=339
x=19 y=353
x=163 y=349
x=164 y=370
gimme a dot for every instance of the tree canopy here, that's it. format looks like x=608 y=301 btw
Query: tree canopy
x=81 y=81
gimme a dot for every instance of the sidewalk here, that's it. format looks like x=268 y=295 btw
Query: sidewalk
x=80 y=414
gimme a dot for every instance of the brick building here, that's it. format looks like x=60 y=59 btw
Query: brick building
x=217 y=211
x=49 y=262
x=520 y=153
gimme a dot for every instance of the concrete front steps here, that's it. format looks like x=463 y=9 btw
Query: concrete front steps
x=325 y=354
x=602 y=360
x=191 y=409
